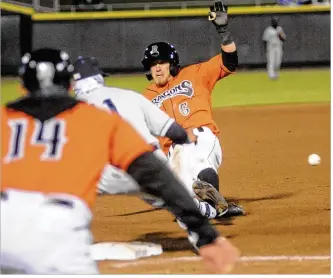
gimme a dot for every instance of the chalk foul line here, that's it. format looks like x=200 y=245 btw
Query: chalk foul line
x=242 y=259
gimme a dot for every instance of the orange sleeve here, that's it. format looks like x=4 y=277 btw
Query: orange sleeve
x=148 y=94
x=126 y=144
x=212 y=71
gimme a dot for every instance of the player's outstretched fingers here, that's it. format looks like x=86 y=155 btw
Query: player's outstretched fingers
x=224 y=7
x=217 y=6
x=221 y=9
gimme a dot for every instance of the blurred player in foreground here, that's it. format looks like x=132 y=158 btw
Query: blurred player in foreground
x=54 y=149
x=145 y=118
x=185 y=95
x=274 y=38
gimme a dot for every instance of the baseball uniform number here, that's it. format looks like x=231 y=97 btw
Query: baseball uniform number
x=50 y=134
x=184 y=109
x=108 y=102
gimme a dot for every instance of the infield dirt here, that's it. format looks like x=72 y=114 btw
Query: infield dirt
x=265 y=169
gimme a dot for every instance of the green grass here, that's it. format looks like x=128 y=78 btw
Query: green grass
x=243 y=88
x=253 y=88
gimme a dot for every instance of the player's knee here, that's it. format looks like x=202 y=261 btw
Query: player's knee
x=209 y=175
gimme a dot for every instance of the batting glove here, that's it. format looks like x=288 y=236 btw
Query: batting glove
x=218 y=15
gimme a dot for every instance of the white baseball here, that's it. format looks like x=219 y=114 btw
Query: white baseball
x=314 y=159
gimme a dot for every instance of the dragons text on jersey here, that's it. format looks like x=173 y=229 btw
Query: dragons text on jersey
x=187 y=96
x=184 y=88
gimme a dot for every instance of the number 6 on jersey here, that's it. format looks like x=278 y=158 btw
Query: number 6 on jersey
x=50 y=134
x=184 y=109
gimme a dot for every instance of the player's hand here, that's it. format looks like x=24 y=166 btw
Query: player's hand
x=219 y=15
x=281 y=35
x=219 y=256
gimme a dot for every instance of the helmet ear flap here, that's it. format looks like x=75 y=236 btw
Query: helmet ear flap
x=174 y=69
x=148 y=75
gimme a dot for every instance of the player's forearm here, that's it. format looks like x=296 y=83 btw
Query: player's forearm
x=177 y=134
x=229 y=47
x=229 y=53
x=156 y=179
x=281 y=34
x=230 y=59
x=282 y=37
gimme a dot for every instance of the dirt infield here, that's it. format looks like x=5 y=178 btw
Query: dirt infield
x=265 y=169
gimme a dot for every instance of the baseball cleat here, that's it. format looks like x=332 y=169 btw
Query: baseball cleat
x=181 y=224
x=208 y=193
x=234 y=210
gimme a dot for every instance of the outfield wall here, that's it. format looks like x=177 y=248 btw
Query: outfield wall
x=10 y=41
x=118 y=42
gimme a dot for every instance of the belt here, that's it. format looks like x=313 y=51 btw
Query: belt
x=3 y=196
x=61 y=202
x=155 y=146
x=54 y=201
x=200 y=129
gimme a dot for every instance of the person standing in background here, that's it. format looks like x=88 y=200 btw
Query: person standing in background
x=273 y=38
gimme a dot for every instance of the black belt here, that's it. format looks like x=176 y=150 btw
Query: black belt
x=54 y=201
x=155 y=146
x=4 y=196
x=61 y=202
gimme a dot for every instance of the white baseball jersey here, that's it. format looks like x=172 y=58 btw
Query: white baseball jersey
x=274 y=49
x=146 y=118
x=149 y=121
x=271 y=36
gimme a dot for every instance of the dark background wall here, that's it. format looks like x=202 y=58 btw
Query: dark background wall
x=10 y=41
x=119 y=44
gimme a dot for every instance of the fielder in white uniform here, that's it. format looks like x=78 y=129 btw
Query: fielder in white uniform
x=274 y=37
x=146 y=118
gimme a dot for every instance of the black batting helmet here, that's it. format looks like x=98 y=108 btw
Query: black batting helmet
x=160 y=51
x=46 y=72
x=85 y=67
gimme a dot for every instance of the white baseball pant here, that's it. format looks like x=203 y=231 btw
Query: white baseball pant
x=190 y=159
x=45 y=233
x=274 y=59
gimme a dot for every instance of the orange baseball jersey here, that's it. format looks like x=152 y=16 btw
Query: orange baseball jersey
x=67 y=153
x=187 y=97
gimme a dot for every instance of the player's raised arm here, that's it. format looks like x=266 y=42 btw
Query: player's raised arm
x=218 y=15
x=281 y=34
x=226 y=63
